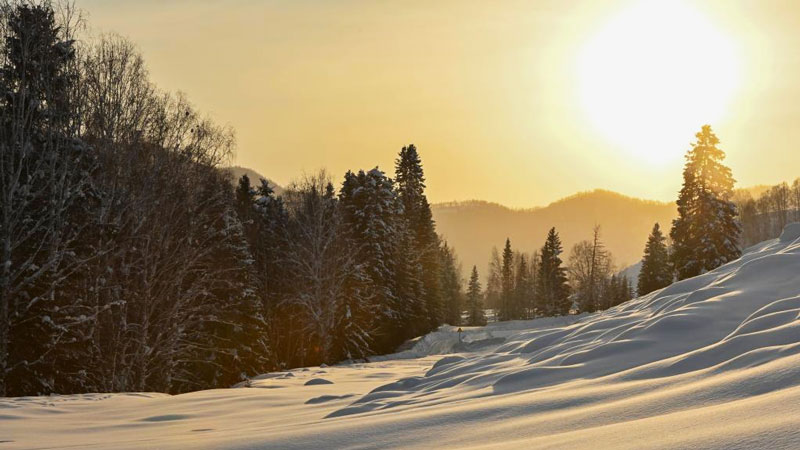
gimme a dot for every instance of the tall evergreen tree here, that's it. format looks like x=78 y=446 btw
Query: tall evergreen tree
x=522 y=290
x=417 y=212
x=45 y=195
x=706 y=233
x=451 y=285
x=475 y=313
x=370 y=208
x=656 y=271
x=551 y=283
x=507 y=274
x=532 y=304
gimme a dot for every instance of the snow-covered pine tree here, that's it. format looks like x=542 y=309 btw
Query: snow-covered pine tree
x=551 y=286
x=413 y=311
x=46 y=192
x=323 y=265
x=417 y=212
x=451 y=283
x=264 y=221
x=656 y=271
x=228 y=342
x=370 y=210
x=706 y=233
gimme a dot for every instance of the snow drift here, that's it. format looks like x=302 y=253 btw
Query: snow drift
x=713 y=361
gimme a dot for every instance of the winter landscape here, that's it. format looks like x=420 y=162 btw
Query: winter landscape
x=304 y=276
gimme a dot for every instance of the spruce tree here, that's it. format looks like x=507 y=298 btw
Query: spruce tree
x=475 y=313
x=46 y=196
x=551 y=283
x=521 y=289
x=656 y=271
x=417 y=212
x=507 y=278
x=370 y=213
x=451 y=285
x=706 y=232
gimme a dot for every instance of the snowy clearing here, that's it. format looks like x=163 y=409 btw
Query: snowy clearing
x=710 y=362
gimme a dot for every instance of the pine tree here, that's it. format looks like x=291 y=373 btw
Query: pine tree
x=706 y=233
x=551 y=286
x=507 y=274
x=228 y=343
x=417 y=212
x=522 y=289
x=451 y=285
x=45 y=204
x=533 y=305
x=656 y=271
x=475 y=313
x=409 y=288
x=371 y=216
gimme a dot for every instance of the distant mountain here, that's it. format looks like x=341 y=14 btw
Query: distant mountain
x=236 y=172
x=474 y=227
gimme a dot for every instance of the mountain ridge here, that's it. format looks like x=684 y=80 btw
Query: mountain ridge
x=473 y=227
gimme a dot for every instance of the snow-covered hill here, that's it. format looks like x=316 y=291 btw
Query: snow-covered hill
x=710 y=362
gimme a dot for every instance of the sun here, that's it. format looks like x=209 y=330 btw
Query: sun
x=653 y=75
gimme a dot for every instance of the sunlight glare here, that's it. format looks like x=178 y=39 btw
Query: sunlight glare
x=653 y=74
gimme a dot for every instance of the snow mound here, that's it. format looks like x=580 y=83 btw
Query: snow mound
x=317 y=382
x=791 y=233
x=447 y=340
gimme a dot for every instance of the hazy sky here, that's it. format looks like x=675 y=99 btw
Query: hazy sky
x=518 y=102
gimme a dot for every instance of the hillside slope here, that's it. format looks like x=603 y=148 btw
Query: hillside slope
x=473 y=228
x=709 y=362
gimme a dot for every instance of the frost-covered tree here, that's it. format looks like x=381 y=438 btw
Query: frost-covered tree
x=475 y=313
x=228 y=343
x=706 y=233
x=551 y=284
x=326 y=274
x=370 y=210
x=656 y=271
x=45 y=194
x=590 y=267
x=494 y=282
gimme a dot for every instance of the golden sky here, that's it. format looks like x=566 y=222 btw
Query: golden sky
x=518 y=102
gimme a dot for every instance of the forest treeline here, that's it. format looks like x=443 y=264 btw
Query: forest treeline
x=541 y=284
x=764 y=216
x=130 y=262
